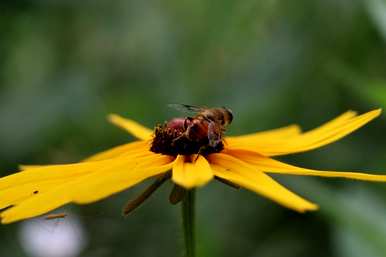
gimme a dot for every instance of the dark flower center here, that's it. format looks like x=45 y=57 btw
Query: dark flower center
x=185 y=137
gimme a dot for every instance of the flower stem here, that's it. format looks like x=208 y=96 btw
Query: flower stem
x=188 y=222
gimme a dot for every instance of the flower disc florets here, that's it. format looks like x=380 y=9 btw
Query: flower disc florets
x=171 y=138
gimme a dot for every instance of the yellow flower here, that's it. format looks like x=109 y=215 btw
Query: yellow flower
x=245 y=161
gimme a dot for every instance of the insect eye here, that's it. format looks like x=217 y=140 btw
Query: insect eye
x=230 y=115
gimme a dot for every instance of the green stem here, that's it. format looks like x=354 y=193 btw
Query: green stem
x=188 y=222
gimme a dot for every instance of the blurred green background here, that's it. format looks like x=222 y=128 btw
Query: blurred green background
x=64 y=65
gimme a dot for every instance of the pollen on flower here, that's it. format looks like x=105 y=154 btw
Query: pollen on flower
x=171 y=138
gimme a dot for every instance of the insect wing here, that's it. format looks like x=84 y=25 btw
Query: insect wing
x=185 y=108
x=214 y=134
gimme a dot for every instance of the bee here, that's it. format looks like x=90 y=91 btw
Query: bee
x=200 y=133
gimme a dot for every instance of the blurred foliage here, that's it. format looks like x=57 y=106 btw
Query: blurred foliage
x=65 y=64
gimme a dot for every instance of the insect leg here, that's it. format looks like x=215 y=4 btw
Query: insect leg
x=187 y=128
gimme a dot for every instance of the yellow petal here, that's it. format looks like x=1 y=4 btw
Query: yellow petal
x=119 y=178
x=139 y=147
x=110 y=179
x=131 y=126
x=335 y=123
x=272 y=166
x=191 y=174
x=238 y=172
x=326 y=134
x=278 y=136
x=28 y=209
x=130 y=150
x=18 y=192
x=285 y=132
x=50 y=172
x=22 y=185
x=28 y=167
x=15 y=195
